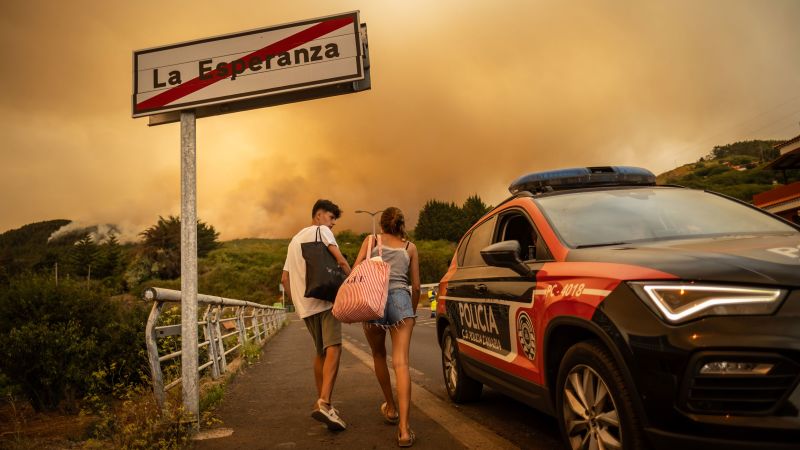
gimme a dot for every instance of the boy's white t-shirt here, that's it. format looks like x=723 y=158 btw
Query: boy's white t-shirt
x=296 y=266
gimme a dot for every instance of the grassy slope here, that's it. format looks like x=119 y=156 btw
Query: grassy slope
x=715 y=176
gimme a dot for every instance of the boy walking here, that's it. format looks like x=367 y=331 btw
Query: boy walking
x=325 y=330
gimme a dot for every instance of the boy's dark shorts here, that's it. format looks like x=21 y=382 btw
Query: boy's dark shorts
x=324 y=329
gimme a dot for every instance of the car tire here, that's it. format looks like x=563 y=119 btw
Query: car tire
x=586 y=372
x=460 y=387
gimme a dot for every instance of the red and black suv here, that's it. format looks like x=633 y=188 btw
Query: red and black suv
x=639 y=315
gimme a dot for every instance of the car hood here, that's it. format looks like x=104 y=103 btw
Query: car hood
x=746 y=259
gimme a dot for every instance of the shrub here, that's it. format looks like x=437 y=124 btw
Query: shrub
x=251 y=352
x=212 y=397
x=434 y=259
x=48 y=361
x=56 y=336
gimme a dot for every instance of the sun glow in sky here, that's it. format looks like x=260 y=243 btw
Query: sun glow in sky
x=466 y=96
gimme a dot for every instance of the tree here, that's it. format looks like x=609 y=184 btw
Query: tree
x=440 y=220
x=474 y=209
x=162 y=245
x=763 y=150
x=84 y=256
x=109 y=258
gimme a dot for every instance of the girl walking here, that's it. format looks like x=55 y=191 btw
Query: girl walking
x=399 y=318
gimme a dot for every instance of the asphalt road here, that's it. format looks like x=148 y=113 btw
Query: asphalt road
x=514 y=421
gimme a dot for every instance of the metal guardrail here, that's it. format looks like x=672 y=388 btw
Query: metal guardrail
x=264 y=321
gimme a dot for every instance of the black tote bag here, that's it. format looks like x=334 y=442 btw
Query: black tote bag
x=323 y=274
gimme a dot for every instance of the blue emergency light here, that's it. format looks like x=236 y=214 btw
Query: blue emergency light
x=582 y=177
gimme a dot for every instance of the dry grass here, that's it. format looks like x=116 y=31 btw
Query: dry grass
x=22 y=428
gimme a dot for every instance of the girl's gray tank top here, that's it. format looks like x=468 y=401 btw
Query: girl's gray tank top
x=398 y=260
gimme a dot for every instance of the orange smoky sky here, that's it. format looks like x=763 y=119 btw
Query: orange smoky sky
x=466 y=96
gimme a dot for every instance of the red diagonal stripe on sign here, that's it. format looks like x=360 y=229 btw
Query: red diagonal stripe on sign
x=285 y=44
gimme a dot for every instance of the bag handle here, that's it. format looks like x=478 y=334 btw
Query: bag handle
x=318 y=237
x=369 y=247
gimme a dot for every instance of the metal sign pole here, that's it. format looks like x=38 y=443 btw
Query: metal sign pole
x=189 y=375
x=168 y=89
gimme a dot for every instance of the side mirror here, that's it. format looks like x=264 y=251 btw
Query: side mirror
x=506 y=254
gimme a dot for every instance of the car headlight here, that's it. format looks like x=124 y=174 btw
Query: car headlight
x=680 y=302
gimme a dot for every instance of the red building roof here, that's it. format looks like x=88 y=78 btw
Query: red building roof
x=778 y=195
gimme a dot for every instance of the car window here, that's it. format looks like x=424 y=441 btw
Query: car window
x=481 y=237
x=462 y=249
x=647 y=214
x=516 y=227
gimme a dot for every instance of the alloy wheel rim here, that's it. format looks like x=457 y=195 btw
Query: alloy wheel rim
x=450 y=364
x=590 y=412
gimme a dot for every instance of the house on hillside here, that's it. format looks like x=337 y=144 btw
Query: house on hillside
x=737 y=167
x=784 y=200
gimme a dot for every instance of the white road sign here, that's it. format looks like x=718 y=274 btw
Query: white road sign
x=256 y=63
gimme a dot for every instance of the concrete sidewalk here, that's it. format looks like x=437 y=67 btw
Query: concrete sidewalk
x=269 y=404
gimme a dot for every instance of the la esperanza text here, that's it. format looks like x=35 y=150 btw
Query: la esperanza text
x=208 y=70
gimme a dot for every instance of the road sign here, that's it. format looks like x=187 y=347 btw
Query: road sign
x=242 y=66
x=252 y=69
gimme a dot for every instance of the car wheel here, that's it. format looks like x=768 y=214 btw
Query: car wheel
x=593 y=405
x=460 y=387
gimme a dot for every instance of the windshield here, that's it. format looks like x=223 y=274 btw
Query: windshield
x=616 y=216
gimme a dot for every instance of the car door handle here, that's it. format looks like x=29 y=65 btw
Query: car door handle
x=482 y=288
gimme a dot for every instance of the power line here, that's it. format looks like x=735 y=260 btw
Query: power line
x=727 y=130
x=778 y=122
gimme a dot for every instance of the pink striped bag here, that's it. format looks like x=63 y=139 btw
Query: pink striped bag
x=363 y=294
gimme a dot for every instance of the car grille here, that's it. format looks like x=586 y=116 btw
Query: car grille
x=740 y=394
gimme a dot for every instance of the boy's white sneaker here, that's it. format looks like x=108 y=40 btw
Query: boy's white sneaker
x=328 y=415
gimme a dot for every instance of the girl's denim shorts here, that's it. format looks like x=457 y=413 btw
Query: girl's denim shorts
x=398 y=308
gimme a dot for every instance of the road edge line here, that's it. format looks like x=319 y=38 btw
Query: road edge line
x=470 y=433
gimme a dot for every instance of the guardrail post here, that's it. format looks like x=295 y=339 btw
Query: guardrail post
x=240 y=326
x=264 y=324
x=152 y=353
x=264 y=327
x=223 y=360
x=208 y=333
x=256 y=328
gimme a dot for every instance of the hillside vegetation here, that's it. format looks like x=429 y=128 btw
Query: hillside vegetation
x=736 y=170
x=250 y=269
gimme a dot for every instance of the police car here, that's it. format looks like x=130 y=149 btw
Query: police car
x=640 y=316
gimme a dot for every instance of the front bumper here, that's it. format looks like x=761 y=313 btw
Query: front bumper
x=681 y=407
x=665 y=440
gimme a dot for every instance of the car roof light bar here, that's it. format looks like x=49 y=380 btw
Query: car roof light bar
x=582 y=177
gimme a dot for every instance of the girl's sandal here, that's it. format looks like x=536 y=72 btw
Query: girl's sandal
x=407 y=442
x=390 y=420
